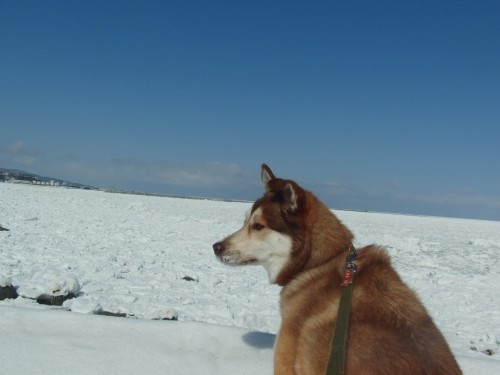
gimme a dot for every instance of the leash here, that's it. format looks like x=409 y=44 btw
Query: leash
x=339 y=341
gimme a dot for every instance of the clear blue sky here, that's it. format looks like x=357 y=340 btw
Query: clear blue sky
x=379 y=105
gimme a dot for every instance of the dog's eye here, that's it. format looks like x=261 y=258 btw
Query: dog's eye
x=257 y=226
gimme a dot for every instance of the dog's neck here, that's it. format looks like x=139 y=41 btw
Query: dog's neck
x=325 y=240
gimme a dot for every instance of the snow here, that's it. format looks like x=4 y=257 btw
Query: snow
x=150 y=258
x=57 y=342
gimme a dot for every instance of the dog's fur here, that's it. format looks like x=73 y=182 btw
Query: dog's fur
x=303 y=246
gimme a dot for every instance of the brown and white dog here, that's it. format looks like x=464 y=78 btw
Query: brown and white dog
x=303 y=247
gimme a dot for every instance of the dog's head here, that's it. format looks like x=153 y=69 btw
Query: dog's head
x=269 y=230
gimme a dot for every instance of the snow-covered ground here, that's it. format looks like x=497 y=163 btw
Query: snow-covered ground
x=151 y=257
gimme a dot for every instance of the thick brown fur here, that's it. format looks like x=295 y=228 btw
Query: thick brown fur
x=390 y=331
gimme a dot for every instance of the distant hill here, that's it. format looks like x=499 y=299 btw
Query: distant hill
x=17 y=176
x=22 y=177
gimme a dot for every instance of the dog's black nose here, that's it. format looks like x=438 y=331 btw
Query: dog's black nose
x=218 y=248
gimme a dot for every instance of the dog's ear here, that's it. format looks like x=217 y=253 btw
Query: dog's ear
x=286 y=192
x=290 y=198
x=266 y=176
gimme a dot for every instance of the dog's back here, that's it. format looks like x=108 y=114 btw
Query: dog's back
x=388 y=318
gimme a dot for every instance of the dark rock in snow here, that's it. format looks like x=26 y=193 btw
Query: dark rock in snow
x=8 y=292
x=172 y=318
x=3 y=229
x=109 y=313
x=46 y=299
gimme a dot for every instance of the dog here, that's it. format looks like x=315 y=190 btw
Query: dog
x=303 y=247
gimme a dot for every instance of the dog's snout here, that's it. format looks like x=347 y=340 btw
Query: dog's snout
x=218 y=248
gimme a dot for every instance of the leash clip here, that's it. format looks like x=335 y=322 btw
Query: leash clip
x=350 y=268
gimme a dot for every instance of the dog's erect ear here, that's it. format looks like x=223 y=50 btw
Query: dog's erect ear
x=266 y=175
x=290 y=200
x=286 y=192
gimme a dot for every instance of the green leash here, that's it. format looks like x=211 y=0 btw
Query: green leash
x=339 y=341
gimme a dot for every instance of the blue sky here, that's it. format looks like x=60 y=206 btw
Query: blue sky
x=386 y=106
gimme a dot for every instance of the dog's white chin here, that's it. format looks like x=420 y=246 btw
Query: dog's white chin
x=275 y=253
x=274 y=267
x=233 y=261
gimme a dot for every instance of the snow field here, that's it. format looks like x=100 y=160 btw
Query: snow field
x=151 y=257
